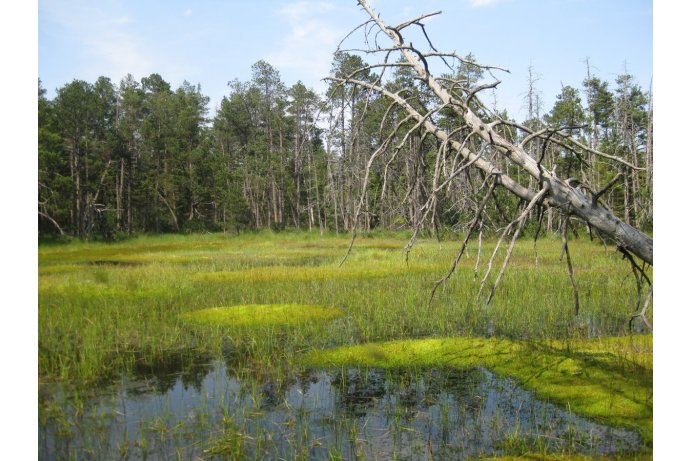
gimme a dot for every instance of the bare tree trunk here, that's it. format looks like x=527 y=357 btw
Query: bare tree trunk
x=559 y=193
x=170 y=209
x=297 y=176
x=334 y=196
x=592 y=132
x=54 y=222
x=129 y=197
x=76 y=211
x=649 y=161
x=627 y=197
x=119 y=190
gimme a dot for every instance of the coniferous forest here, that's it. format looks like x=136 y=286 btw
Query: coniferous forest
x=139 y=156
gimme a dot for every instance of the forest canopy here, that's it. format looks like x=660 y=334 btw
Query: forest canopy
x=139 y=156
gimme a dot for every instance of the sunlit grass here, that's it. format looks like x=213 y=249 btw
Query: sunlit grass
x=317 y=273
x=89 y=311
x=261 y=314
x=108 y=309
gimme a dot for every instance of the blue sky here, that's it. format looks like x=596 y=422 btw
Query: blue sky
x=212 y=42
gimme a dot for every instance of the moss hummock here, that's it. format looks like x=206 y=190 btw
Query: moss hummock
x=261 y=314
x=607 y=379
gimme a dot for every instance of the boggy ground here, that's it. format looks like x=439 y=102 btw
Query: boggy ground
x=111 y=310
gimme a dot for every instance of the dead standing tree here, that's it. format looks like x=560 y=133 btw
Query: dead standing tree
x=480 y=127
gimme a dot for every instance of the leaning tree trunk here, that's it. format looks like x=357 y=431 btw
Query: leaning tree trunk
x=567 y=195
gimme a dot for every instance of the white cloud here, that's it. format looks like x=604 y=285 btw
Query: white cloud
x=298 y=11
x=123 y=20
x=188 y=12
x=115 y=53
x=311 y=42
x=481 y=3
x=104 y=39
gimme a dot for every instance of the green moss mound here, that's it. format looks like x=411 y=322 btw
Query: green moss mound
x=608 y=379
x=318 y=273
x=261 y=314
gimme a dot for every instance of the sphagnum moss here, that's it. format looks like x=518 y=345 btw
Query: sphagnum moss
x=261 y=314
x=593 y=384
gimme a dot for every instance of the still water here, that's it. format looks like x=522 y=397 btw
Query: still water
x=213 y=411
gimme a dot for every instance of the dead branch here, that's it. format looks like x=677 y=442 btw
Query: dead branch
x=642 y=312
x=479 y=250
x=559 y=131
x=54 y=222
x=415 y=21
x=606 y=187
x=476 y=220
x=170 y=209
x=638 y=275
x=537 y=234
x=498 y=157
x=565 y=250
x=368 y=168
x=519 y=222
x=466 y=61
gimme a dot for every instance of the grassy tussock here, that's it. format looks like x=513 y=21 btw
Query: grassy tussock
x=106 y=309
x=138 y=306
x=261 y=314
x=288 y=273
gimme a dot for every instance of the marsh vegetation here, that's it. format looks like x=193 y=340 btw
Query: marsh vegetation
x=260 y=347
x=306 y=312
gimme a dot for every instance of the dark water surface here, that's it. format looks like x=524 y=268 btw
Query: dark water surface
x=212 y=412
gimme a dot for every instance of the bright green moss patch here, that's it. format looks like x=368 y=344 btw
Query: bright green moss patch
x=307 y=273
x=594 y=378
x=261 y=314
x=95 y=291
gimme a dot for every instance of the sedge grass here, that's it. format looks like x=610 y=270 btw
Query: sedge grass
x=261 y=314
x=107 y=309
x=90 y=313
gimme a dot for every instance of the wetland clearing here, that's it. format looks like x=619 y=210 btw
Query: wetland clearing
x=259 y=346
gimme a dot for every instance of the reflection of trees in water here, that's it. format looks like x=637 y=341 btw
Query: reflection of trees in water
x=163 y=372
x=359 y=390
x=274 y=391
x=268 y=388
x=464 y=386
x=454 y=413
x=305 y=378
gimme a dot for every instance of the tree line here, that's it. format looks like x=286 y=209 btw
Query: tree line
x=139 y=156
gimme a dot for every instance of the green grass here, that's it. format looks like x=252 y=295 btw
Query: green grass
x=107 y=309
x=95 y=317
x=261 y=314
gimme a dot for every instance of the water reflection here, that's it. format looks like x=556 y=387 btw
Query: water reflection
x=215 y=411
x=164 y=372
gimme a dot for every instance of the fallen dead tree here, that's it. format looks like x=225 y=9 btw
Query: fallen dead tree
x=574 y=198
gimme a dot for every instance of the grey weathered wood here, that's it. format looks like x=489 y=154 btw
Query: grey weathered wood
x=559 y=194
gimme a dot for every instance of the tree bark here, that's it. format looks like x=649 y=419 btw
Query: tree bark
x=559 y=193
